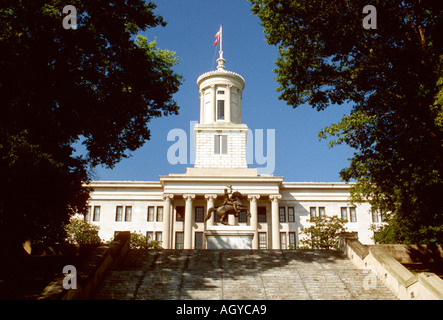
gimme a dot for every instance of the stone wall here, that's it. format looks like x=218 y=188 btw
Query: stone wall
x=89 y=275
x=236 y=148
x=414 y=253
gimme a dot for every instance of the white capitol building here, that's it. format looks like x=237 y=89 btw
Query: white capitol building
x=173 y=209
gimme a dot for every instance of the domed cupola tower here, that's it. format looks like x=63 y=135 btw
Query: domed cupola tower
x=220 y=137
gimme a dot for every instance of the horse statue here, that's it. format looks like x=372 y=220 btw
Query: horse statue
x=232 y=205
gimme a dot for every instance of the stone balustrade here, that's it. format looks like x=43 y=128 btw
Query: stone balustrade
x=386 y=261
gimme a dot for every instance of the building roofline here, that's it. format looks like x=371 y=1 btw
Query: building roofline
x=317 y=185
x=205 y=179
x=122 y=183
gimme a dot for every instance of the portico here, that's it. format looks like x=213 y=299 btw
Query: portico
x=207 y=191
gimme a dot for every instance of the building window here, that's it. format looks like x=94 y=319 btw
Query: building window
x=292 y=244
x=242 y=217
x=96 y=216
x=220 y=109
x=179 y=240
x=150 y=235
x=199 y=240
x=199 y=214
x=344 y=213
x=374 y=215
x=128 y=213
x=282 y=213
x=283 y=240
x=262 y=240
x=261 y=213
x=180 y=213
x=383 y=216
x=353 y=214
x=312 y=212
x=321 y=212
x=291 y=215
x=150 y=214
x=158 y=236
x=118 y=213
x=159 y=217
x=220 y=144
x=88 y=213
x=220 y=92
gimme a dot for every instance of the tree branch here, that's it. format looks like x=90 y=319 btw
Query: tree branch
x=419 y=30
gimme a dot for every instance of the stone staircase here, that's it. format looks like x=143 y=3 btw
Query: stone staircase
x=239 y=275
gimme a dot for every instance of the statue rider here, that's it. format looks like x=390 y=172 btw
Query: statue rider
x=229 y=200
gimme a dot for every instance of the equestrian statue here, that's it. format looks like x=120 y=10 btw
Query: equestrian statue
x=231 y=205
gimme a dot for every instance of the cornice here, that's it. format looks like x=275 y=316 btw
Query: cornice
x=317 y=185
x=220 y=73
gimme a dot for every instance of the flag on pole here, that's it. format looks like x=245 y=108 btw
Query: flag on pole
x=217 y=37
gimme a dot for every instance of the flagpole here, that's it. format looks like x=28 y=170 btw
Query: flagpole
x=221 y=40
x=220 y=60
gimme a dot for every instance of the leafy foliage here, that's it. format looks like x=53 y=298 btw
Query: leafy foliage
x=323 y=233
x=140 y=241
x=81 y=232
x=392 y=76
x=99 y=83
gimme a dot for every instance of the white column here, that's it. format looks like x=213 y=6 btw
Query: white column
x=167 y=198
x=239 y=94
x=275 y=221
x=254 y=219
x=209 y=107
x=188 y=221
x=214 y=103
x=202 y=106
x=210 y=204
x=228 y=103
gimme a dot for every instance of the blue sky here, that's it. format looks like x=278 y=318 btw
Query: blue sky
x=192 y=24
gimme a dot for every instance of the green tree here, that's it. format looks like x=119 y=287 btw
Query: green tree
x=140 y=241
x=99 y=84
x=81 y=232
x=323 y=233
x=392 y=76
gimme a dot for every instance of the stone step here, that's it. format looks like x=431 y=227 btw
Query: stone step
x=240 y=274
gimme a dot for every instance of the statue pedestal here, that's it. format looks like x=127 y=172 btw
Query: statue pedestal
x=229 y=237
